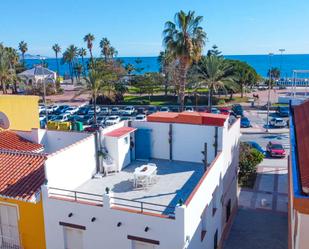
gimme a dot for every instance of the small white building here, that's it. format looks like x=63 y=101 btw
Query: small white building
x=38 y=74
x=171 y=183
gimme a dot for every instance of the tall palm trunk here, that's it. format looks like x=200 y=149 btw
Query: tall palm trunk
x=91 y=58
x=95 y=108
x=84 y=69
x=23 y=55
x=57 y=64
x=210 y=98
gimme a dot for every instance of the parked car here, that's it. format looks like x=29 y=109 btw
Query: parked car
x=256 y=146
x=115 y=111
x=189 y=109
x=164 y=109
x=83 y=110
x=245 y=122
x=104 y=111
x=92 y=128
x=128 y=111
x=141 y=110
x=87 y=119
x=71 y=110
x=225 y=111
x=215 y=110
x=101 y=120
x=283 y=111
x=91 y=110
x=238 y=110
x=277 y=122
x=275 y=149
x=140 y=117
x=62 y=109
x=151 y=110
x=62 y=117
x=111 y=120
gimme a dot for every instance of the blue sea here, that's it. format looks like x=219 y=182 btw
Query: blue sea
x=261 y=63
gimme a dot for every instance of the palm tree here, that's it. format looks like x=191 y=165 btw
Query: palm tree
x=105 y=48
x=23 y=47
x=89 y=38
x=7 y=73
x=82 y=53
x=69 y=56
x=165 y=61
x=214 y=74
x=113 y=52
x=184 y=39
x=13 y=59
x=57 y=50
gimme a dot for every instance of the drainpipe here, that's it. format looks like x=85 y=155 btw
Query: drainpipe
x=216 y=141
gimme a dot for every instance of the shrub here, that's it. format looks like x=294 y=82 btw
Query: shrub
x=249 y=158
x=221 y=102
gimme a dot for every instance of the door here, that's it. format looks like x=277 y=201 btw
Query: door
x=73 y=238
x=9 y=233
x=143 y=144
x=142 y=245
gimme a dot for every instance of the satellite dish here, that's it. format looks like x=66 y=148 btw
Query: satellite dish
x=4 y=121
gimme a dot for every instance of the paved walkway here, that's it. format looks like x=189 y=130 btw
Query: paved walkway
x=269 y=192
x=254 y=229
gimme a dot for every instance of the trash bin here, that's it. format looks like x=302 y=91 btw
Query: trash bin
x=77 y=126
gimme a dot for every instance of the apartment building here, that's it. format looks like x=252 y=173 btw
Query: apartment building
x=168 y=182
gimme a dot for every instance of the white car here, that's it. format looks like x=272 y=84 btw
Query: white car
x=115 y=111
x=140 y=117
x=71 y=110
x=91 y=111
x=62 y=117
x=189 y=109
x=41 y=108
x=277 y=122
x=129 y=110
x=104 y=111
x=164 y=109
x=111 y=120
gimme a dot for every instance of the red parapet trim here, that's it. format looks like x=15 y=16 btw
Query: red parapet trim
x=201 y=180
x=139 y=212
x=75 y=201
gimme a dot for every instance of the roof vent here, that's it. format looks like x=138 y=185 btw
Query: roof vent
x=305 y=190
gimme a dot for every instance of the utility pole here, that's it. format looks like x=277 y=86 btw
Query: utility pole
x=269 y=83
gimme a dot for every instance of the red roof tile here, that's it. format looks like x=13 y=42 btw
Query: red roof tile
x=11 y=141
x=120 y=132
x=301 y=120
x=198 y=118
x=21 y=174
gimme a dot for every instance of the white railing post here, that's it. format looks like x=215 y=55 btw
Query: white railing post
x=107 y=200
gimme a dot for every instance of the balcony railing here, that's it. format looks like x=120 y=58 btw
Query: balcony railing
x=76 y=196
x=143 y=207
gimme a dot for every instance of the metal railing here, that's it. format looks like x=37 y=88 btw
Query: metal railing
x=76 y=196
x=144 y=207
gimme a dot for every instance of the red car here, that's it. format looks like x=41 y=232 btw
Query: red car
x=275 y=150
x=225 y=111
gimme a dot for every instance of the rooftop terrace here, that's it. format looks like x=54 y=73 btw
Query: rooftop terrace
x=175 y=180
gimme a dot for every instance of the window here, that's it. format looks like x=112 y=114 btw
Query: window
x=126 y=140
x=216 y=239
x=9 y=234
x=142 y=245
x=73 y=238
x=204 y=223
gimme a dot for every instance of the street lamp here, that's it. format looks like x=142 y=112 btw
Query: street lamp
x=269 y=82
x=44 y=87
x=281 y=50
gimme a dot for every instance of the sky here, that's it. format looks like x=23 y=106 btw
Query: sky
x=237 y=27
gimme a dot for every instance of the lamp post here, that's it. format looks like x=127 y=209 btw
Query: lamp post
x=44 y=87
x=281 y=50
x=269 y=83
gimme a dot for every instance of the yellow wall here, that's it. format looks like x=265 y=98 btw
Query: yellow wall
x=31 y=223
x=22 y=111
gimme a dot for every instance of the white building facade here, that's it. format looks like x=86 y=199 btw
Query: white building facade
x=190 y=205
